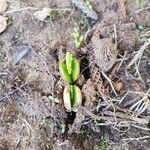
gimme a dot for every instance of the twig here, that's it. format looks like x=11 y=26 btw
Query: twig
x=33 y=8
x=109 y=82
x=139 y=54
x=139 y=138
x=122 y=116
x=122 y=60
x=115 y=34
x=142 y=128
x=21 y=9
x=141 y=108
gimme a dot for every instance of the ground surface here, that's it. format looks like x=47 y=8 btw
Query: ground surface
x=116 y=108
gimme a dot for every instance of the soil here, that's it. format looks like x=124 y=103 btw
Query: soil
x=116 y=97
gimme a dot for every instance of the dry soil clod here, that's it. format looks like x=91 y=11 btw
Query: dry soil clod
x=105 y=52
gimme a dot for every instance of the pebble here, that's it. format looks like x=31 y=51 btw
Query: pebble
x=3 y=23
x=3 y=6
x=118 y=86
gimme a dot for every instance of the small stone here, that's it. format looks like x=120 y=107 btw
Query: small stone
x=118 y=86
x=3 y=6
x=3 y=23
x=43 y=14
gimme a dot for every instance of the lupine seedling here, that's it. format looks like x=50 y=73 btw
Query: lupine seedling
x=70 y=68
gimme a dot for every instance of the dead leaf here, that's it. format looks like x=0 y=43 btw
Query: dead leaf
x=3 y=23
x=3 y=6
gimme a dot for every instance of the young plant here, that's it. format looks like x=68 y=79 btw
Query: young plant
x=69 y=68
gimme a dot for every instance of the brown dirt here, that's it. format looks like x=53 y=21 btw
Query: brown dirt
x=32 y=115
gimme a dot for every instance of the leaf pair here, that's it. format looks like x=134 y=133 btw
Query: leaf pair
x=69 y=68
x=72 y=98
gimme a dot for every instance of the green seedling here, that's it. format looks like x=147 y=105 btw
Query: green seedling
x=75 y=69
x=64 y=72
x=72 y=98
x=69 y=59
x=69 y=68
x=78 y=38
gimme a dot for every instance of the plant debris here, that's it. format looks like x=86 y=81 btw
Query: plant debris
x=3 y=23
x=89 y=12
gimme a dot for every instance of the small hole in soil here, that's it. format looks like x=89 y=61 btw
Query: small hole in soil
x=70 y=117
x=85 y=68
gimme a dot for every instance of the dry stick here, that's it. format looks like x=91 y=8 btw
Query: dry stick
x=137 y=104
x=118 y=114
x=122 y=60
x=21 y=9
x=109 y=82
x=139 y=120
x=139 y=138
x=137 y=71
x=115 y=34
x=142 y=128
x=88 y=112
x=139 y=54
x=33 y=8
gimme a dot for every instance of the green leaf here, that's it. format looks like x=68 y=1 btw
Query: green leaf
x=76 y=69
x=77 y=98
x=69 y=58
x=64 y=72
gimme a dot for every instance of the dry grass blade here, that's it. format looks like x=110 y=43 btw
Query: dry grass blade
x=140 y=106
x=120 y=117
x=139 y=54
x=109 y=82
x=139 y=138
